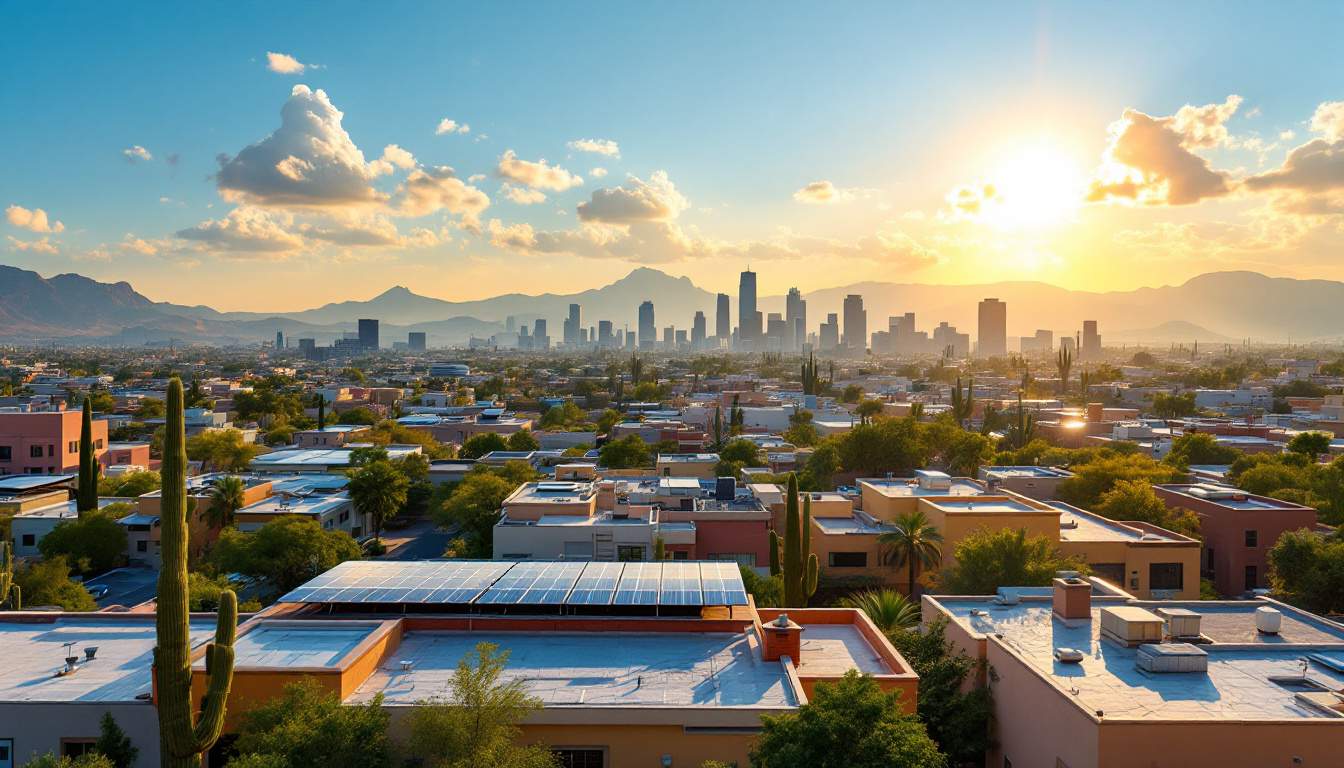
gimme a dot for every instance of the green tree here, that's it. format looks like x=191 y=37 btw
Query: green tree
x=286 y=551
x=1307 y=570
x=378 y=490
x=767 y=591
x=86 y=497
x=482 y=443
x=150 y=408
x=222 y=450
x=1167 y=406
x=629 y=452
x=11 y=594
x=989 y=559
x=888 y=445
x=94 y=542
x=848 y=724
x=852 y=393
x=52 y=760
x=1095 y=477
x=912 y=543
x=955 y=711
x=565 y=416
x=477 y=725
x=130 y=484
x=888 y=609
x=867 y=410
x=309 y=726
x=963 y=405
x=48 y=583
x=1199 y=448
x=226 y=498
x=801 y=432
x=609 y=418
x=474 y=507
x=114 y=744
x=818 y=473
x=1064 y=364
x=1136 y=500
x=522 y=440
x=793 y=559
x=358 y=416
x=1310 y=444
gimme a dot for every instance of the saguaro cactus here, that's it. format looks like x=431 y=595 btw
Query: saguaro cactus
x=86 y=495
x=796 y=564
x=11 y=597
x=183 y=733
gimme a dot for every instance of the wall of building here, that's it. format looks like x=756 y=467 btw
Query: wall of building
x=51 y=434
x=1226 y=744
x=1136 y=557
x=1034 y=723
x=38 y=728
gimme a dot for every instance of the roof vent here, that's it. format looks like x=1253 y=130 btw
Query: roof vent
x=90 y=652
x=1068 y=655
x=1068 y=523
x=407 y=665
x=1171 y=657
x=1268 y=620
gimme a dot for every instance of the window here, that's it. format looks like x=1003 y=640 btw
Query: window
x=6 y=753
x=142 y=545
x=1252 y=577
x=29 y=540
x=580 y=758
x=51 y=450
x=748 y=559
x=73 y=446
x=848 y=560
x=34 y=451
x=630 y=553
x=6 y=454
x=1252 y=538
x=1166 y=575
x=1111 y=572
x=680 y=554
x=76 y=747
x=98 y=444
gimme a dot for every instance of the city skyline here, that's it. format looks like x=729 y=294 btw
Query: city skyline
x=1065 y=161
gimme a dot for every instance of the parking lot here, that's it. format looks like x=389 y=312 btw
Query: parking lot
x=127 y=586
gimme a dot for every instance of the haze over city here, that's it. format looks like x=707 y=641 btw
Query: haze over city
x=690 y=385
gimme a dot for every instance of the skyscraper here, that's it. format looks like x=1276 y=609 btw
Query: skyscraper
x=748 y=319
x=368 y=333
x=1091 y=347
x=540 y=339
x=723 y=325
x=698 y=330
x=648 y=332
x=605 y=338
x=795 y=316
x=572 y=325
x=279 y=340
x=856 y=323
x=992 y=335
x=828 y=336
x=415 y=341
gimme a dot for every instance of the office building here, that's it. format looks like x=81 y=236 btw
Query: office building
x=669 y=337
x=748 y=319
x=992 y=333
x=308 y=348
x=415 y=341
x=368 y=333
x=795 y=318
x=279 y=340
x=540 y=339
x=45 y=442
x=698 y=330
x=723 y=324
x=856 y=323
x=572 y=325
x=1043 y=342
x=947 y=340
x=1091 y=346
x=828 y=337
x=648 y=332
x=605 y=339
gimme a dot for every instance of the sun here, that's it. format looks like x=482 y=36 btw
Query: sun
x=1035 y=186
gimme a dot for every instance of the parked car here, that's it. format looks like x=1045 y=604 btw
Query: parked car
x=99 y=591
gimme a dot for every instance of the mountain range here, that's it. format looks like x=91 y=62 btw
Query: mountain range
x=1216 y=307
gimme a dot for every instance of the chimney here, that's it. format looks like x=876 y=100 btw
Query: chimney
x=1072 y=596
x=782 y=638
x=1095 y=412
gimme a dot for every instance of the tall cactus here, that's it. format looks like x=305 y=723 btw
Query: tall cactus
x=811 y=379
x=86 y=494
x=797 y=564
x=1063 y=364
x=11 y=597
x=963 y=405
x=1024 y=425
x=183 y=733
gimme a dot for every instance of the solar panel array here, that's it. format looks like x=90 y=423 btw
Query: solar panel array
x=535 y=583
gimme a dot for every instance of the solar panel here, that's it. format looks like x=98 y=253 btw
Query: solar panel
x=639 y=584
x=596 y=585
x=381 y=581
x=722 y=584
x=539 y=583
x=680 y=584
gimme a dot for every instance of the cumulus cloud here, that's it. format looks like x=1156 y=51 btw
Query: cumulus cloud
x=825 y=192
x=427 y=190
x=309 y=160
x=537 y=175
x=636 y=200
x=1328 y=120
x=284 y=64
x=971 y=200
x=522 y=195
x=33 y=220
x=393 y=157
x=1151 y=160
x=136 y=153
x=598 y=173
x=1310 y=181
x=246 y=229
x=451 y=126
x=41 y=245
x=596 y=146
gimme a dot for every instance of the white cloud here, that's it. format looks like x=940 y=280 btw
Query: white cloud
x=636 y=200
x=824 y=192
x=598 y=173
x=136 y=153
x=284 y=64
x=1328 y=120
x=522 y=195
x=246 y=229
x=41 y=245
x=537 y=175
x=476 y=178
x=596 y=146
x=432 y=189
x=308 y=161
x=447 y=125
x=34 y=220
x=394 y=157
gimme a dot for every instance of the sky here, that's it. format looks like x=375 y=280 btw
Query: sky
x=269 y=156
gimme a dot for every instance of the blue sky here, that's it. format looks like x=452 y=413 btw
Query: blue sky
x=739 y=106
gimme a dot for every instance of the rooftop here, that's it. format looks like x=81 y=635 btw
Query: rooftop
x=64 y=509
x=1004 y=472
x=606 y=669
x=911 y=487
x=552 y=492
x=315 y=506
x=987 y=504
x=1080 y=525
x=323 y=457
x=1242 y=663
x=687 y=458
x=291 y=644
x=1227 y=496
x=34 y=650
x=17 y=484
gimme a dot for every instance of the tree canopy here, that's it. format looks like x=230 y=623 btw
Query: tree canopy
x=628 y=452
x=1307 y=569
x=92 y=543
x=286 y=551
x=988 y=559
x=309 y=726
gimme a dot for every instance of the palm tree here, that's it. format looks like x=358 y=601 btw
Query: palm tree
x=889 y=609
x=913 y=543
x=226 y=498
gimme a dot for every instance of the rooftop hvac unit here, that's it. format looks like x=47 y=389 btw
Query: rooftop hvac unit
x=1171 y=657
x=1130 y=625
x=1268 y=620
x=1181 y=622
x=1068 y=523
x=1068 y=655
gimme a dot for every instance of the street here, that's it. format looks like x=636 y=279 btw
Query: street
x=127 y=586
x=421 y=541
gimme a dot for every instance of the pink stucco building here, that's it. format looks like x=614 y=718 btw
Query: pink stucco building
x=45 y=443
